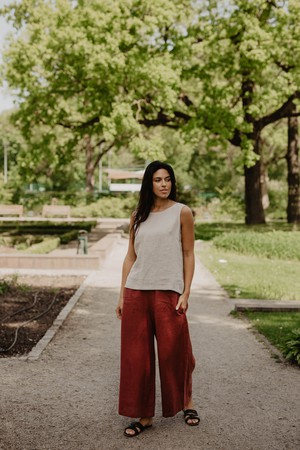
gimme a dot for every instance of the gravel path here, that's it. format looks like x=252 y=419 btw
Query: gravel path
x=68 y=398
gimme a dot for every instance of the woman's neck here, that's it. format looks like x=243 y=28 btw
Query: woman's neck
x=161 y=204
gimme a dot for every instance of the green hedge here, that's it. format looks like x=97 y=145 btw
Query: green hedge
x=45 y=246
x=69 y=236
x=276 y=244
x=47 y=227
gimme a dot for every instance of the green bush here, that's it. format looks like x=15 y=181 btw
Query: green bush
x=117 y=207
x=33 y=201
x=6 y=191
x=275 y=244
x=46 y=246
x=4 y=286
x=23 y=241
x=291 y=348
x=69 y=236
x=226 y=208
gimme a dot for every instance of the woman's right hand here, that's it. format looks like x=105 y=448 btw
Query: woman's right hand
x=119 y=308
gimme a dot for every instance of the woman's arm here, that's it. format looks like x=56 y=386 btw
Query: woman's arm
x=127 y=264
x=188 y=239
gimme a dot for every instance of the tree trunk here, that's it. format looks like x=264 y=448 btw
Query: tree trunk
x=292 y=157
x=253 y=192
x=264 y=184
x=89 y=166
x=253 y=188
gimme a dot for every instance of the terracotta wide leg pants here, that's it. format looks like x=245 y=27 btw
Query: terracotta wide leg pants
x=147 y=314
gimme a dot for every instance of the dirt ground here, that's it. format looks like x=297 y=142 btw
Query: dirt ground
x=28 y=308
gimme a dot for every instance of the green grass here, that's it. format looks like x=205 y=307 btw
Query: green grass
x=260 y=262
x=249 y=276
x=272 y=244
x=206 y=231
x=276 y=326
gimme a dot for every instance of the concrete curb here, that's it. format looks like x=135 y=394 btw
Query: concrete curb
x=265 y=305
x=275 y=352
x=37 y=350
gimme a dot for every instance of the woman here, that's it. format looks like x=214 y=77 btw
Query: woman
x=156 y=280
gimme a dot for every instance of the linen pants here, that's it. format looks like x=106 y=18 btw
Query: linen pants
x=147 y=314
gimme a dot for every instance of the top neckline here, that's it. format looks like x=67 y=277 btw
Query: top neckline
x=164 y=210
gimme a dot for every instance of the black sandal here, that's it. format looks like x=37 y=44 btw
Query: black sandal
x=137 y=427
x=191 y=414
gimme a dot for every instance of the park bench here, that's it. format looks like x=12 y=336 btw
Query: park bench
x=11 y=210
x=56 y=210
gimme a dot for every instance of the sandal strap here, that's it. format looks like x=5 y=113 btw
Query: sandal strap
x=190 y=412
x=191 y=415
x=136 y=426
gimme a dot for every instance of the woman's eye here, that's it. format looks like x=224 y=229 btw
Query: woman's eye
x=158 y=180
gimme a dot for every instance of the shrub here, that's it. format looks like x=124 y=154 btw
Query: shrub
x=116 y=207
x=291 y=348
x=69 y=236
x=226 y=208
x=46 y=246
x=4 y=287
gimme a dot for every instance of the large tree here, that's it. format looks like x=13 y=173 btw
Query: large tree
x=89 y=67
x=235 y=79
x=103 y=70
x=246 y=85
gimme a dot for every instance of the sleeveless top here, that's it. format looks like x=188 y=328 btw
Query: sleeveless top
x=157 y=244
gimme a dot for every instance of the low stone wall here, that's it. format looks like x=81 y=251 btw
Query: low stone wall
x=61 y=261
x=77 y=262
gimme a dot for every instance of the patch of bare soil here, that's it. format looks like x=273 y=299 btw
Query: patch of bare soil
x=28 y=311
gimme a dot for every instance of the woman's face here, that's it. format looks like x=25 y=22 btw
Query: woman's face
x=161 y=183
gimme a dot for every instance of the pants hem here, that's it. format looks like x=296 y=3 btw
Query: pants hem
x=136 y=415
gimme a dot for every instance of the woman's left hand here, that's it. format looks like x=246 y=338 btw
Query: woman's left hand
x=182 y=304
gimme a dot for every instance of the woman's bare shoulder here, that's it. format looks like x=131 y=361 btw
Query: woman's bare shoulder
x=186 y=210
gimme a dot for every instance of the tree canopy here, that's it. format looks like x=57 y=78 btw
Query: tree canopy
x=99 y=75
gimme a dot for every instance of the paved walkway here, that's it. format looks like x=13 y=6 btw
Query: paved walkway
x=68 y=398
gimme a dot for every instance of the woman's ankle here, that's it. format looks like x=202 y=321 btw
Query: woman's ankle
x=146 y=420
x=189 y=405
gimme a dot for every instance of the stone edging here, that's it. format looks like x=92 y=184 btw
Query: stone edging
x=37 y=350
x=264 y=305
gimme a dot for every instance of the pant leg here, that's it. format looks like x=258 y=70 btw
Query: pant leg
x=176 y=360
x=137 y=380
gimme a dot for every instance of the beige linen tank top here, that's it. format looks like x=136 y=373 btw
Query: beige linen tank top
x=157 y=244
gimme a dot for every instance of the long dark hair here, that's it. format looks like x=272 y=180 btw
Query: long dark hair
x=146 y=199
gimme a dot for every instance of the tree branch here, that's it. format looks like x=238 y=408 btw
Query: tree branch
x=280 y=113
x=80 y=125
x=163 y=119
x=102 y=153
